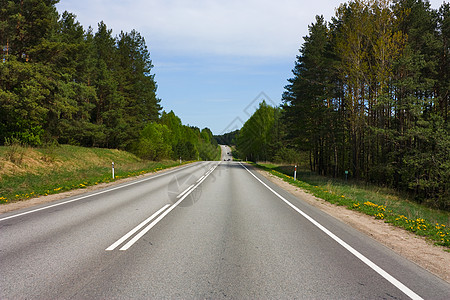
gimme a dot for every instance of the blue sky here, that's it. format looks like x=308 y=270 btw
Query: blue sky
x=214 y=60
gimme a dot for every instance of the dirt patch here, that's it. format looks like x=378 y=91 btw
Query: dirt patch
x=412 y=247
x=31 y=162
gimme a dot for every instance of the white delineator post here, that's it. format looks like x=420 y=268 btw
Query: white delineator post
x=113 y=170
x=295 y=172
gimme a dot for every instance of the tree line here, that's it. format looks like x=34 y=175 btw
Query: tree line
x=62 y=83
x=227 y=138
x=169 y=138
x=370 y=96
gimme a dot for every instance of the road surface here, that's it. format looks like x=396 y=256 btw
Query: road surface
x=213 y=230
x=226 y=153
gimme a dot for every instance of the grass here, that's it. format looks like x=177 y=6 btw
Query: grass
x=52 y=170
x=381 y=203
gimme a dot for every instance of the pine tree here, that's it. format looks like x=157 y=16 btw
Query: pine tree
x=309 y=99
x=383 y=103
x=136 y=84
x=443 y=72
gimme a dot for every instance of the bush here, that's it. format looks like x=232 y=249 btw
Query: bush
x=153 y=143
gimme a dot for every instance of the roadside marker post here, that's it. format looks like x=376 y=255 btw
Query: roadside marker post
x=295 y=173
x=113 y=170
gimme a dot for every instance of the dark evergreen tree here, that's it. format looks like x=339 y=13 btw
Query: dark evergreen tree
x=62 y=83
x=136 y=83
x=443 y=67
x=370 y=95
x=308 y=98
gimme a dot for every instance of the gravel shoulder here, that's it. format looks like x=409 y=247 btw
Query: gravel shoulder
x=414 y=248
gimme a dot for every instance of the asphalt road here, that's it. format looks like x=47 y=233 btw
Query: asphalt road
x=213 y=230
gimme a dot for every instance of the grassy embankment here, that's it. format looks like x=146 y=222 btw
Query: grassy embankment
x=29 y=172
x=382 y=203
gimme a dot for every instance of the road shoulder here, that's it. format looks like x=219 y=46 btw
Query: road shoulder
x=7 y=207
x=414 y=248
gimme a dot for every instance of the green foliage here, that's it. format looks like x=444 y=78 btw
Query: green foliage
x=370 y=96
x=426 y=168
x=288 y=155
x=208 y=151
x=154 y=142
x=24 y=89
x=60 y=82
x=170 y=139
x=311 y=102
x=185 y=150
x=175 y=126
x=227 y=138
x=260 y=136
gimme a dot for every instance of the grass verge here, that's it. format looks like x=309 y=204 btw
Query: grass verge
x=381 y=203
x=46 y=171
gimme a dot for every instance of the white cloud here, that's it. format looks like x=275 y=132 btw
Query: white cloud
x=233 y=27
x=245 y=27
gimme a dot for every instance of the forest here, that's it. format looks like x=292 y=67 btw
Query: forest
x=369 y=96
x=61 y=83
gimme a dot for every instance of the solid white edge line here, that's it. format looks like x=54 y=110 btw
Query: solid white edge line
x=349 y=248
x=95 y=194
x=134 y=230
x=156 y=221
x=185 y=191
